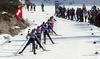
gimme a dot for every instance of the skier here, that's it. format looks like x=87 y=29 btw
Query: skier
x=49 y=26
x=31 y=40
x=42 y=26
x=52 y=21
x=38 y=42
x=45 y=32
x=42 y=5
x=38 y=33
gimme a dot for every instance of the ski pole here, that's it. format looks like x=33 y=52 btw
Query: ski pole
x=30 y=46
x=20 y=47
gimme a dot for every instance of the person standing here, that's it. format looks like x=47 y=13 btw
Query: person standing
x=90 y=18
x=86 y=15
x=42 y=6
x=28 y=6
x=98 y=20
x=34 y=6
x=31 y=7
x=77 y=14
x=72 y=11
x=68 y=13
x=81 y=16
x=84 y=7
x=64 y=12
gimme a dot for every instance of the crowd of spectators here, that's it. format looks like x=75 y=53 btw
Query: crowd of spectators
x=80 y=14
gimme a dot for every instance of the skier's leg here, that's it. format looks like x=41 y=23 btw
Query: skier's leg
x=40 y=38
x=44 y=38
x=39 y=43
x=34 y=46
x=85 y=19
x=42 y=9
x=53 y=30
x=50 y=38
x=25 y=47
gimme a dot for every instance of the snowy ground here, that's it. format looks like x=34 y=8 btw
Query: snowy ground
x=76 y=41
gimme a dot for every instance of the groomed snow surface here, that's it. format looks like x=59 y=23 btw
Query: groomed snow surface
x=76 y=41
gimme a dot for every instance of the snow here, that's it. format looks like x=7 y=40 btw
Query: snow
x=67 y=2
x=76 y=41
x=22 y=1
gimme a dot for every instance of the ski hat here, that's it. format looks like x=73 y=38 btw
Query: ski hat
x=38 y=27
x=48 y=19
x=45 y=25
x=83 y=4
x=43 y=22
x=33 y=30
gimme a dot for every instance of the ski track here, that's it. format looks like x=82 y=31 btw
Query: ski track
x=76 y=41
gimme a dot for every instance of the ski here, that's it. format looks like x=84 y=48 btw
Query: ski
x=32 y=51
x=57 y=35
x=16 y=54
x=45 y=50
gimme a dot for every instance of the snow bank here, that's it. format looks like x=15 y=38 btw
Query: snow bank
x=22 y=1
x=5 y=38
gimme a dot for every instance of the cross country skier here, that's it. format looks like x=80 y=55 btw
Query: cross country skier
x=38 y=33
x=37 y=40
x=31 y=40
x=49 y=26
x=45 y=32
x=53 y=20
x=42 y=26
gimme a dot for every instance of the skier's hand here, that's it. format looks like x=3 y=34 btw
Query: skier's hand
x=27 y=38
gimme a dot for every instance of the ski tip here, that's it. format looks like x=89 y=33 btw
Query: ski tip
x=17 y=54
x=45 y=50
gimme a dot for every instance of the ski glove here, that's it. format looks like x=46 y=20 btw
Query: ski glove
x=27 y=37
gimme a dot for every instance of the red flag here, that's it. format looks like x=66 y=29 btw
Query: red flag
x=18 y=12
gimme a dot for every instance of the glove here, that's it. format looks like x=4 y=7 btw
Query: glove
x=27 y=38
